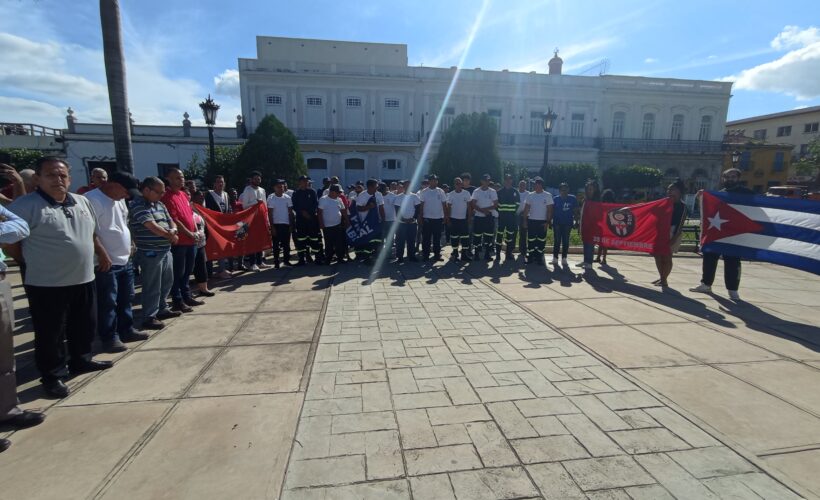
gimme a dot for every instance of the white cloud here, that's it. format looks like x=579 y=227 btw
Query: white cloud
x=227 y=83
x=650 y=60
x=794 y=73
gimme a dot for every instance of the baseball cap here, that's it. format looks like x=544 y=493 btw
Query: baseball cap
x=508 y=176
x=255 y=173
x=278 y=181
x=128 y=181
x=335 y=187
x=432 y=177
x=486 y=177
x=304 y=178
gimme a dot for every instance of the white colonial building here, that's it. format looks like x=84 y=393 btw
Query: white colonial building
x=359 y=110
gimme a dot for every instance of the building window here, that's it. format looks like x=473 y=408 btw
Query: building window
x=495 y=116
x=760 y=134
x=778 y=161
x=810 y=128
x=313 y=101
x=391 y=102
x=804 y=150
x=705 y=128
x=577 y=125
x=316 y=164
x=447 y=118
x=618 y=122
x=677 y=128
x=391 y=164
x=784 y=131
x=162 y=168
x=354 y=102
x=648 y=129
x=354 y=164
x=536 y=123
x=745 y=160
x=276 y=100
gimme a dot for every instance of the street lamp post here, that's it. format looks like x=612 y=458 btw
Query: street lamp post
x=209 y=109
x=549 y=121
x=735 y=158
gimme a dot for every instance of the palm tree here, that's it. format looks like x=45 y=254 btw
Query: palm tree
x=115 y=76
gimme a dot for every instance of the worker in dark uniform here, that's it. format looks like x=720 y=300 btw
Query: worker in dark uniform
x=508 y=201
x=306 y=226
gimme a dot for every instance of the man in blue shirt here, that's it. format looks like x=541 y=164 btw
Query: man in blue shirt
x=562 y=222
x=12 y=230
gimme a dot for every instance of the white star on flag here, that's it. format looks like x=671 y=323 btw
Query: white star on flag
x=716 y=221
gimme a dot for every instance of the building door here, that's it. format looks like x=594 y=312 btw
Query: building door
x=317 y=170
x=354 y=171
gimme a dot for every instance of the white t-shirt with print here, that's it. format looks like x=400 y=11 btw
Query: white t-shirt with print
x=281 y=207
x=538 y=203
x=433 y=199
x=485 y=199
x=458 y=201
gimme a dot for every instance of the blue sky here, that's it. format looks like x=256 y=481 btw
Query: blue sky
x=178 y=51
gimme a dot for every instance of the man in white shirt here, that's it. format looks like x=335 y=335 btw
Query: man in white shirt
x=459 y=212
x=333 y=221
x=115 y=287
x=389 y=216
x=433 y=217
x=280 y=213
x=253 y=194
x=537 y=214
x=485 y=206
x=407 y=211
x=522 y=228
x=367 y=200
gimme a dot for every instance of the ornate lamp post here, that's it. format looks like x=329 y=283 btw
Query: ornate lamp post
x=735 y=158
x=209 y=109
x=549 y=121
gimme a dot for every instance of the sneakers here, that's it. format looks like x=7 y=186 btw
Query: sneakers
x=224 y=275
x=554 y=261
x=263 y=266
x=564 y=262
x=702 y=288
x=255 y=268
x=113 y=346
x=581 y=264
x=734 y=295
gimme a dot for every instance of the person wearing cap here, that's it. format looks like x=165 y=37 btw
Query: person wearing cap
x=389 y=217
x=484 y=206
x=508 y=203
x=333 y=220
x=307 y=237
x=254 y=193
x=433 y=217
x=59 y=280
x=522 y=227
x=562 y=222
x=280 y=212
x=115 y=287
x=537 y=213
x=459 y=214
x=367 y=200
x=407 y=210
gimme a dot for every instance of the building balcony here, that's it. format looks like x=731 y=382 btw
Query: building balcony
x=29 y=129
x=357 y=136
x=658 y=146
x=556 y=141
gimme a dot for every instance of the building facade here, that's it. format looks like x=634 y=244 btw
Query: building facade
x=359 y=110
x=798 y=127
x=762 y=164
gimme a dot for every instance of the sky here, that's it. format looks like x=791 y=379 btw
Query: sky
x=179 y=51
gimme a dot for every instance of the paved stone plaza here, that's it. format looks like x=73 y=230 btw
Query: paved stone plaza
x=478 y=381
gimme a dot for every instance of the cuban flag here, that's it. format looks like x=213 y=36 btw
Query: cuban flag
x=772 y=229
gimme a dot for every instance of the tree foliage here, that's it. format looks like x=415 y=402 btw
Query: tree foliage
x=469 y=145
x=225 y=165
x=574 y=174
x=622 y=178
x=22 y=158
x=809 y=165
x=272 y=150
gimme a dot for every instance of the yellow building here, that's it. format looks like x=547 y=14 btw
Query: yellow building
x=763 y=165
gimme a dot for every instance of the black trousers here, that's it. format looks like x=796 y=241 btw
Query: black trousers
x=460 y=234
x=60 y=314
x=200 y=269
x=537 y=238
x=483 y=232
x=431 y=230
x=731 y=270
x=522 y=235
x=335 y=242
x=281 y=241
x=308 y=238
x=406 y=238
x=507 y=229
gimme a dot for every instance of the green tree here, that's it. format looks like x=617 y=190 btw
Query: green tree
x=574 y=174
x=22 y=158
x=622 y=178
x=809 y=165
x=469 y=145
x=115 y=77
x=225 y=165
x=272 y=150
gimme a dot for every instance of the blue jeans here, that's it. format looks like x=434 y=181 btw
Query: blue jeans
x=157 y=273
x=589 y=249
x=561 y=237
x=184 y=256
x=115 y=289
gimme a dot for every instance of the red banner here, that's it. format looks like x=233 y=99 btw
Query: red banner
x=643 y=227
x=236 y=234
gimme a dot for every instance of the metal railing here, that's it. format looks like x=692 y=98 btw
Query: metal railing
x=28 y=129
x=357 y=135
x=660 y=145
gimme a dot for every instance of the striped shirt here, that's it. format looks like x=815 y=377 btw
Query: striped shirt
x=142 y=211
